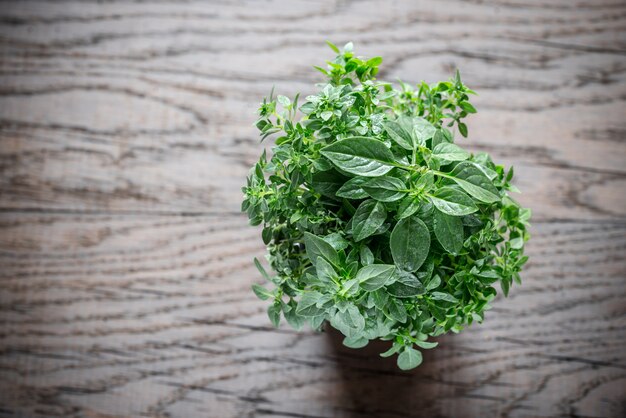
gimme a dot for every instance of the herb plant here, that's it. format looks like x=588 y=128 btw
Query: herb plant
x=374 y=219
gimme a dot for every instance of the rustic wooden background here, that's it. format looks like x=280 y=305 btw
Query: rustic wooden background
x=125 y=265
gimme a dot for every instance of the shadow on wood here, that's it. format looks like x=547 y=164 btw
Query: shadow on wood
x=374 y=386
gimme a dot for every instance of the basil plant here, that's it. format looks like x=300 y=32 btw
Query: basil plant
x=376 y=221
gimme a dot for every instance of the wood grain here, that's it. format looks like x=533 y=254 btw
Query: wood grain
x=125 y=267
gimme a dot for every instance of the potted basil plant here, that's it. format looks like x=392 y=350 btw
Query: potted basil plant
x=375 y=219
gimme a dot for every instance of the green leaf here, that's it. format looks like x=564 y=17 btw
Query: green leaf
x=467 y=107
x=463 y=129
x=328 y=182
x=352 y=189
x=400 y=131
x=479 y=187
x=453 y=202
x=397 y=311
x=393 y=350
x=350 y=322
x=360 y=155
x=449 y=231
x=326 y=115
x=444 y=296
x=369 y=216
x=410 y=243
x=423 y=130
x=325 y=271
x=475 y=182
x=273 y=312
x=337 y=241
x=351 y=287
x=366 y=256
x=317 y=247
x=385 y=189
x=261 y=269
x=433 y=283
x=380 y=298
x=296 y=321
x=408 y=207
x=406 y=285
x=316 y=321
x=333 y=47
x=450 y=152
x=307 y=306
x=374 y=62
x=375 y=276
x=409 y=359
x=426 y=345
x=261 y=292
x=517 y=243
x=355 y=342
x=283 y=100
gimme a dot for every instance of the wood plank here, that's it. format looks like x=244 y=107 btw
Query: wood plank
x=133 y=315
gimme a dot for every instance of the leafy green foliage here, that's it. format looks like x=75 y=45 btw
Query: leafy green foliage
x=376 y=222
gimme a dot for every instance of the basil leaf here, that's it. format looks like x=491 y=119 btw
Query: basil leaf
x=363 y=156
x=375 y=276
x=350 y=321
x=355 y=342
x=317 y=247
x=273 y=312
x=385 y=189
x=410 y=243
x=453 y=202
x=444 y=296
x=366 y=256
x=433 y=283
x=409 y=359
x=479 y=187
x=423 y=130
x=296 y=321
x=261 y=292
x=325 y=271
x=426 y=345
x=369 y=216
x=450 y=152
x=328 y=182
x=352 y=189
x=400 y=131
x=449 y=231
x=397 y=311
x=259 y=267
x=408 y=207
x=406 y=285
x=337 y=241
x=380 y=298
x=308 y=304
x=475 y=182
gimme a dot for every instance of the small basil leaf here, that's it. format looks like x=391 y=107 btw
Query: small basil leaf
x=449 y=231
x=409 y=359
x=453 y=202
x=375 y=276
x=410 y=243
x=369 y=216
x=385 y=189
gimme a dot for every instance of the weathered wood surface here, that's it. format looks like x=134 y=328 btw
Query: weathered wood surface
x=125 y=134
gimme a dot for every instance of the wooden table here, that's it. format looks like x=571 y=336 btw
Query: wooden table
x=125 y=265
